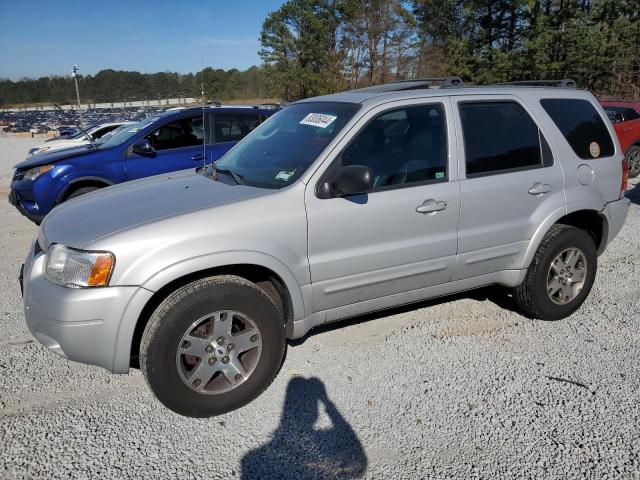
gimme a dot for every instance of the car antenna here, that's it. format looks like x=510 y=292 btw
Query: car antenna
x=204 y=129
x=93 y=145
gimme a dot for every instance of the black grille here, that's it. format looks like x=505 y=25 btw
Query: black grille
x=37 y=248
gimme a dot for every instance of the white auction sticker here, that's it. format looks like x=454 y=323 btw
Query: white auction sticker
x=318 y=120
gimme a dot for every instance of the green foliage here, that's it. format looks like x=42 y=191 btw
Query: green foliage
x=596 y=42
x=299 y=46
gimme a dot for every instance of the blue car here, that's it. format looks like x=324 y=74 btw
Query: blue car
x=163 y=143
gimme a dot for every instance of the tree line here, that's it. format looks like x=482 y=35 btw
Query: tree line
x=312 y=47
x=118 y=86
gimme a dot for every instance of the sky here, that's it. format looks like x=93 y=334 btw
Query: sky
x=40 y=38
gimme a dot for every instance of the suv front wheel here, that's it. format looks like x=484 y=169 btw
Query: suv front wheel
x=560 y=276
x=212 y=346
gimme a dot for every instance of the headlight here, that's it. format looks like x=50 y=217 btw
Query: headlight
x=77 y=268
x=36 y=172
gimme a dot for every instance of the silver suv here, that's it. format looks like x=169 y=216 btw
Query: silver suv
x=334 y=207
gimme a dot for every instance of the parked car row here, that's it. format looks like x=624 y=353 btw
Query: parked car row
x=63 y=120
x=163 y=143
x=89 y=134
x=336 y=206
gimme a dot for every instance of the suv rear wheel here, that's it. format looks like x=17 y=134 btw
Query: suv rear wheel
x=560 y=276
x=212 y=346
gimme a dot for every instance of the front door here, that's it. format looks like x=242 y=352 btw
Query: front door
x=178 y=145
x=402 y=235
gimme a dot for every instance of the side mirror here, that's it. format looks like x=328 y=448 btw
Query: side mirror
x=352 y=180
x=143 y=147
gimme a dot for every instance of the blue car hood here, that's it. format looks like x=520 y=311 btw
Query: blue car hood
x=55 y=156
x=82 y=220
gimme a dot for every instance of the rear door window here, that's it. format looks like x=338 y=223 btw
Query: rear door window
x=630 y=114
x=231 y=127
x=581 y=125
x=499 y=137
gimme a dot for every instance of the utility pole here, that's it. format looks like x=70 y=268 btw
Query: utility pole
x=74 y=74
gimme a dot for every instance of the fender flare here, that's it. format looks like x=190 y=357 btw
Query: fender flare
x=88 y=178
x=553 y=218
x=229 y=259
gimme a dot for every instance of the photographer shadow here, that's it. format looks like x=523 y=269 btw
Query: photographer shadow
x=299 y=449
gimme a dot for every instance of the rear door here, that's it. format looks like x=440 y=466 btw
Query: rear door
x=231 y=127
x=178 y=145
x=509 y=182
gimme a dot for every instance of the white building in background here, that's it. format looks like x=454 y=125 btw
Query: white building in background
x=163 y=102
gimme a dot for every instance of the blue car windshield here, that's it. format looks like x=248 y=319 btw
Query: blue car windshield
x=110 y=134
x=79 y=133
x=124 y=134
x=281 y=149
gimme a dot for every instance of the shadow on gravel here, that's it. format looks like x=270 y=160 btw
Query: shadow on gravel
x=495 y=294
x=300 y=450
x=634 y=194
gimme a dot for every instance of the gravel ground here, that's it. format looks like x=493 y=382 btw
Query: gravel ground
x=455 y=388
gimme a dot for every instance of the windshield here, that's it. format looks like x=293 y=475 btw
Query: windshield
x=281 y=149
x=110 y=134
x=121 y=135
x=78 y=133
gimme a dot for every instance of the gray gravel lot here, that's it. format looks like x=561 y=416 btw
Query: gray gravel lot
x=455 y=388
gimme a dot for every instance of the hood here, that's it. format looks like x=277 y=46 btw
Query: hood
x=54 y=156
x=78 y=222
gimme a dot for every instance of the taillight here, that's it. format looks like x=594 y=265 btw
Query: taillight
x=625 y=177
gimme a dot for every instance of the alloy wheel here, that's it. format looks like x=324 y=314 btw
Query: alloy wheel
x=566 y=276
x=218 y=352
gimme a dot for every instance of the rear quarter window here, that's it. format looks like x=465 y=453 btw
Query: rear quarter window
x=581 y=125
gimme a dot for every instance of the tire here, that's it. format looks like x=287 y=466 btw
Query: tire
x=532 y=295
x=82 y=191
x=164 y=368
x=633 y=159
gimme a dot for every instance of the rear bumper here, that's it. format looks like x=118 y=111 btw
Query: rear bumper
x=83 y=325
x=616 y=214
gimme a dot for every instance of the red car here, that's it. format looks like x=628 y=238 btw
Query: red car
x=625 y=117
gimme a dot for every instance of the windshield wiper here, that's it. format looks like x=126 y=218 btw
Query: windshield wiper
x=237 y=177
x=82 y=130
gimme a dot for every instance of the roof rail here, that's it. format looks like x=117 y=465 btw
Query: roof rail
x=414 y=84
x=565 y=82
x=268 y=106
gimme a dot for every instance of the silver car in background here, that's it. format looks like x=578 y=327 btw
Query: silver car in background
x=334 y=207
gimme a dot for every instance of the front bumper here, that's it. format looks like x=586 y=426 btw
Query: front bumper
x=29 y=210
x=83 y=325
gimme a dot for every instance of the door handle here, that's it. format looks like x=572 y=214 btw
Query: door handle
x=197 y=157
x=431 y=206
x=627 y=130
x=539 y=188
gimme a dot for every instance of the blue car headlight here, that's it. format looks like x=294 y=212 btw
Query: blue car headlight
x=36 y=172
